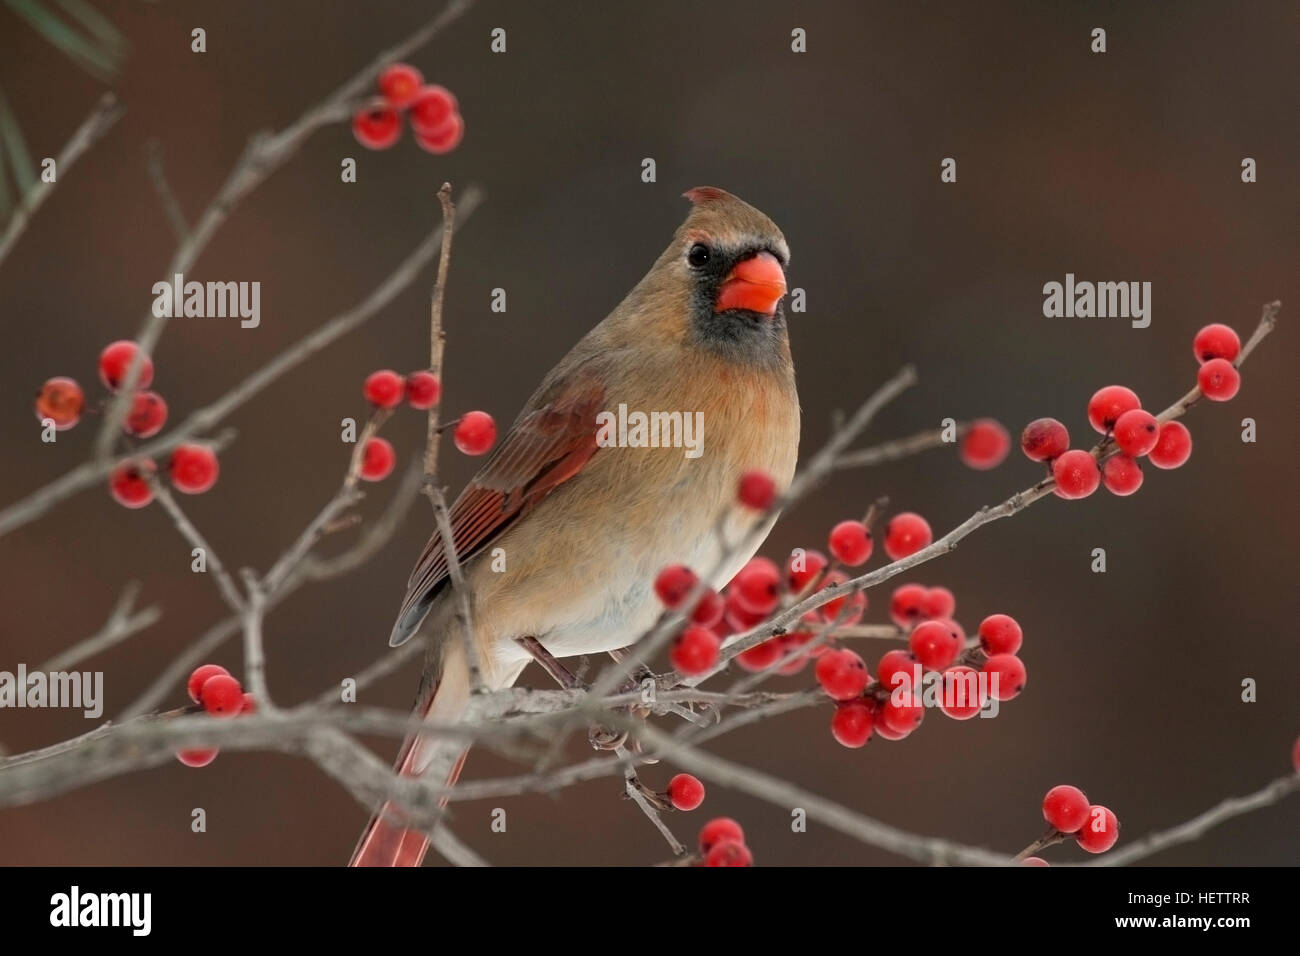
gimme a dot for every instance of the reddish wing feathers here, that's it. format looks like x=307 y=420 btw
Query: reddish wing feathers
x=543 y=449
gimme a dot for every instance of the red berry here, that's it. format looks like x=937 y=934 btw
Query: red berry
x=757 y=490
x=674 y=583
x=60 y=400
x=1100 y=830
x=985 y=445
x=116 y=359
x=893 y=663
x=906 y=533
x=431 y=108
x=443 y=139
x=1043 y=439
x=1034 y=861
x=1295 y=755
x=685 y=791
x=384 y=388
x=901 y=718
x=377 y=125
x=961 y=698
x=423 y=390
x=710 y=609
x=1219 y=380
x=1136 y=432
x=377 y=460
x=729 y=853
x=1076 y=474
x=757 y=586
x=804 y=565
x=907 y=605
x=792 y=642
x=937 y=643
x=885 y=733
x=197 y=758
x=250 y=705
x=850 y=543
x=200 y=676
x=739 y=617
x=852 y=723
x=1122 y=475
x=939 y=602
x=761 y=656
x=719 y=830
x=1108 y=404
x=1000 y=634
x=695 y=650
x=1065 y=808
x=221 y=696
x=1173 y=446
x=128 y=483
x=193 y=468
x=1216 y=341
x=845 y=610
x=842 y=674
x=1010 y=675
x=475 y=433
x=399 y=84
x=147 y=416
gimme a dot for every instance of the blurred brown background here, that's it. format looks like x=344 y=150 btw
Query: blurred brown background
x=1123 y=166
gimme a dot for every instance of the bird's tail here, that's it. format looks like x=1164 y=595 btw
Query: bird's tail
x=386 y=840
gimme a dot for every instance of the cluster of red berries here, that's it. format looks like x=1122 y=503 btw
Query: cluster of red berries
x=434 y=113
x=1067 y=811
x=722 y=843
x=474 y=433
x=1117 y=413
x=220 y=695
x=759 y=587
x=192 y=468
x=61 y=399
x=936 y=643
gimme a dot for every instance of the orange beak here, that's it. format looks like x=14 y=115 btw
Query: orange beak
x=756 y=284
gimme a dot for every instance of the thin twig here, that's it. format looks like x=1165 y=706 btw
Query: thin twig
x=898 y=448
x=632 y=785
x=442 y=518
x=225 y=583
x=166 y=197
x=1199 y=825
x=122 y=623
x=106 y=112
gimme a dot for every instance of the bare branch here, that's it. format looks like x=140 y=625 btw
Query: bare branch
x=225 y=583
x=93 y=472
x=1198 y=826
x=264 y=154
x=122 y=623
x=158 y=176
x=106 y=112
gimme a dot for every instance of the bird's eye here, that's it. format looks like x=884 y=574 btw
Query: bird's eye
x=698 y=255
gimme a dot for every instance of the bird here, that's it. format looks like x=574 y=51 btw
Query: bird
x=564 y=528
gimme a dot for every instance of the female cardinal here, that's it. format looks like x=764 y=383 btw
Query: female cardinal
x=583 y=526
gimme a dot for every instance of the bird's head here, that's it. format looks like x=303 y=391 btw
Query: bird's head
x=724 y=273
